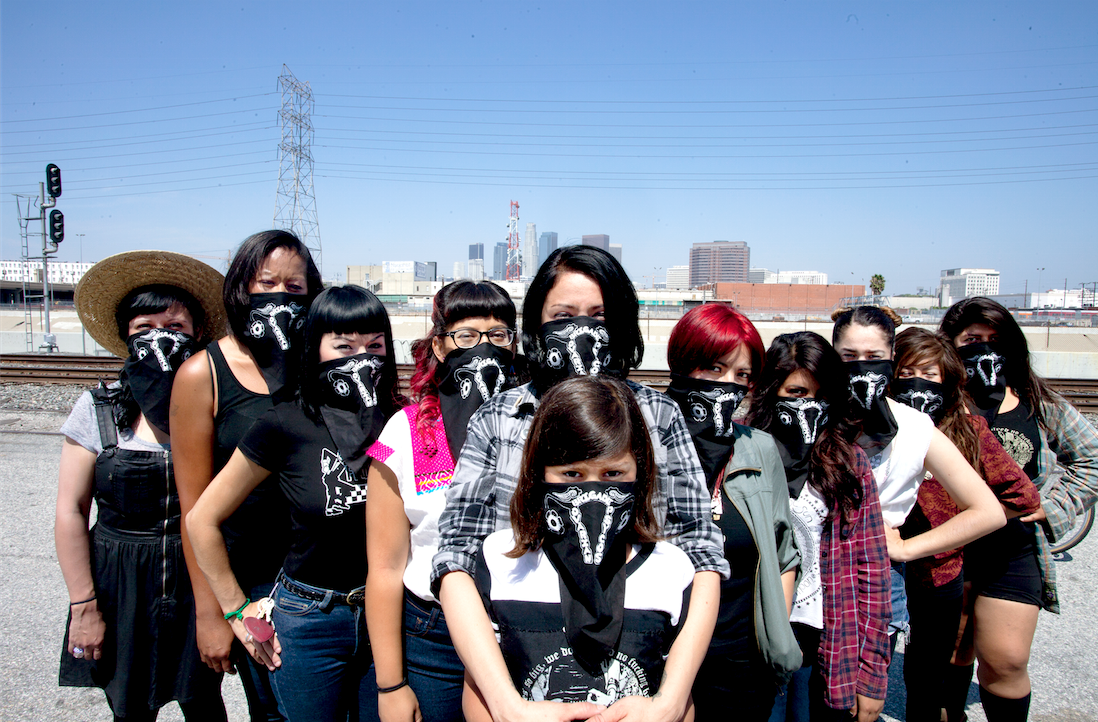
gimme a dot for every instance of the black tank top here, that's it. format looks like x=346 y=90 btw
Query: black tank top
x=257 y=534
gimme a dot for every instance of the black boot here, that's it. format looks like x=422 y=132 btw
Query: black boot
x=1001 y=709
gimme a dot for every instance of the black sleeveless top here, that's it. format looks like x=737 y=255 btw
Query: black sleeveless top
x=257 y=534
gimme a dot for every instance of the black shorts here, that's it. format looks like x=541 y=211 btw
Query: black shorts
x=1003 y=564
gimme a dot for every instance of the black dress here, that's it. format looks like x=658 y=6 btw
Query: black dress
x=149 y=654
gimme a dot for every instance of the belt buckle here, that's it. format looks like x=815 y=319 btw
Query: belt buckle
x=356 y=597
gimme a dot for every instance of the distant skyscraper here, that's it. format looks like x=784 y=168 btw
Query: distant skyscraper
x=476 y=250
x=499 y=261
x=678 y=277
x=547 y=244
x=459 y=270
x=599 y=240
x=432 y=270
x=615 y=251
x=719 y=262
x=530 y=261
x=810 y=277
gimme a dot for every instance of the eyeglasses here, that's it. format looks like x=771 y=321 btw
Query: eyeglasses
x=470 y=337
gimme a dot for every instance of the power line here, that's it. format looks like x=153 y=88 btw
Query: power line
x=134 y=110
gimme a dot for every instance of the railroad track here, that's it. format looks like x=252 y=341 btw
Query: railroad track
x=76 y=369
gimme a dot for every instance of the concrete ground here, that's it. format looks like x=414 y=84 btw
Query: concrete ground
x=1064 y=664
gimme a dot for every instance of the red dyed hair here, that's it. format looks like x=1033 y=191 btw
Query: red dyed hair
x=708 y=332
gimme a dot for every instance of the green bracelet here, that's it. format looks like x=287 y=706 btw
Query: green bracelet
x=239 y=613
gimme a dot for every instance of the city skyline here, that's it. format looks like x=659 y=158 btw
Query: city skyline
x=866 y=138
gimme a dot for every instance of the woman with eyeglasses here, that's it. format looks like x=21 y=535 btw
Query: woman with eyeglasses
x=467 y=357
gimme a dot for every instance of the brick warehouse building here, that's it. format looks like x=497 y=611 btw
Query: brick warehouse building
x=780 y=298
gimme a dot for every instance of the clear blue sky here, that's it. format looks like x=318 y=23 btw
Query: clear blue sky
x=850 y=138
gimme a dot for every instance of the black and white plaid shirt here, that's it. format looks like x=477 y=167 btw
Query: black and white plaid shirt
x=479 y=499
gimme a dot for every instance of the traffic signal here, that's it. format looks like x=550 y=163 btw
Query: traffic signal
x=53 y=180
x=57 y=225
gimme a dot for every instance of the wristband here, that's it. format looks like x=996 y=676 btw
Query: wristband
x=238 y=613
x=394 y=688
x=83 y=601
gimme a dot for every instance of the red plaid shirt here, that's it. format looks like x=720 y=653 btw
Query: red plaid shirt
x=857 y=605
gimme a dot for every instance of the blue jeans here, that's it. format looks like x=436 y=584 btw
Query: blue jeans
x=327 y=670
x=435 y=671
x=254 y=677
x=900 y=621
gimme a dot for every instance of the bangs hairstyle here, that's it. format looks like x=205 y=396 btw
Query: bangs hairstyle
x=708 y=332
x=834 y=453
x=242 y=271
x=157 y=298
x=618 y=297
x=881 y=317
x=916 y=347
x=347 y=309
x=580 y=419
x=1033 y=390
x=454 y=302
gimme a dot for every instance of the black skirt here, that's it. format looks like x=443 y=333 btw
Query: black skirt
x=149 y=655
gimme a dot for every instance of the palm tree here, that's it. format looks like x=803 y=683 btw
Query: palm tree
x=877 y=284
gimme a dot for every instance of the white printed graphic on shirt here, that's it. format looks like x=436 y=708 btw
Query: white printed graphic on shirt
x=559 y=673
x=1016 y=444
x=342 y=490
x=809 y=511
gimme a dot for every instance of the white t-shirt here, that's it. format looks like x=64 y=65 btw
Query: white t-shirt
x=423 y=495
x=898 y=469
x=809 y=513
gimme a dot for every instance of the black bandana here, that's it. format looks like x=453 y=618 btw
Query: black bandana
x=348 y=404
x=577 y=346
x=155 y=356
x=868 y=383
x=797 y=425
x=921 y=395
x=274 y=332
x=587 y=531
x=470 y=376
x=987 y=382
x=708 y=407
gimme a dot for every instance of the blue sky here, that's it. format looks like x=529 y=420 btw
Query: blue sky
x=850 y=138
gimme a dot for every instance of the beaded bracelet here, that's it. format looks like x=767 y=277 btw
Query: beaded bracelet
x=239 y=613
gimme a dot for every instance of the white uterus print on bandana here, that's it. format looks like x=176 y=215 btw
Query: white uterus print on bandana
x=923 y=400
x=341 y=487
x=808 y=415
x=711 y=402
x=571 y=500
x=987 y=367
x=347 y=378
x=472 y=375
x=149 y=343
x=266 y=318
x=867 y=387
x=568 y=338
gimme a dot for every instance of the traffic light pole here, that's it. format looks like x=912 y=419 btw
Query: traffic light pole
x=48 y=342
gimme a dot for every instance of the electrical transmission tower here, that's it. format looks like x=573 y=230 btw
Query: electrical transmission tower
x=514 y=266
x=295 y=205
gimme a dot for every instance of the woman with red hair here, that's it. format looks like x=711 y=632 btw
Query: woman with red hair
x=467 y=357
x=714 y=355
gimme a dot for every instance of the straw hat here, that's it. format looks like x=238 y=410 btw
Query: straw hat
x=106 y=283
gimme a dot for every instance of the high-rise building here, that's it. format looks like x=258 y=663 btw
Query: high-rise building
x=476 y=262
x=547 y=243
x=761 y=275
x=499 y=261
x=432 y=270
x=530 y=261
x=615 y=251
x=678 y=278
x=719 y=262
x=958 y=283
x=810 y=277
x=459 y=270
x=598 y=240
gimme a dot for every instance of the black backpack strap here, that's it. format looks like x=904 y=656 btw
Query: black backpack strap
x=104 y=415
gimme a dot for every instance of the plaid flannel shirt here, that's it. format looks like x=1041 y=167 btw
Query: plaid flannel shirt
x=478 y=501
x=1068 y=482
x=857 y=601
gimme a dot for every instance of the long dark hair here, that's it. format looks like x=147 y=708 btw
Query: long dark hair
x=917 y=346
x=835 y=451
x=583 y=418
x=249 y=257
x=1030 y=387
x=347 y=309
x=618 y=297
x=454 y=302
x=147 y=300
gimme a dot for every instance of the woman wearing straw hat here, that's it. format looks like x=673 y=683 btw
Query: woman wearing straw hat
x=219 y=393
x=131 y=629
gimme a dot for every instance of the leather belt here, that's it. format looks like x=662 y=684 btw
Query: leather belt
x=353 y=598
